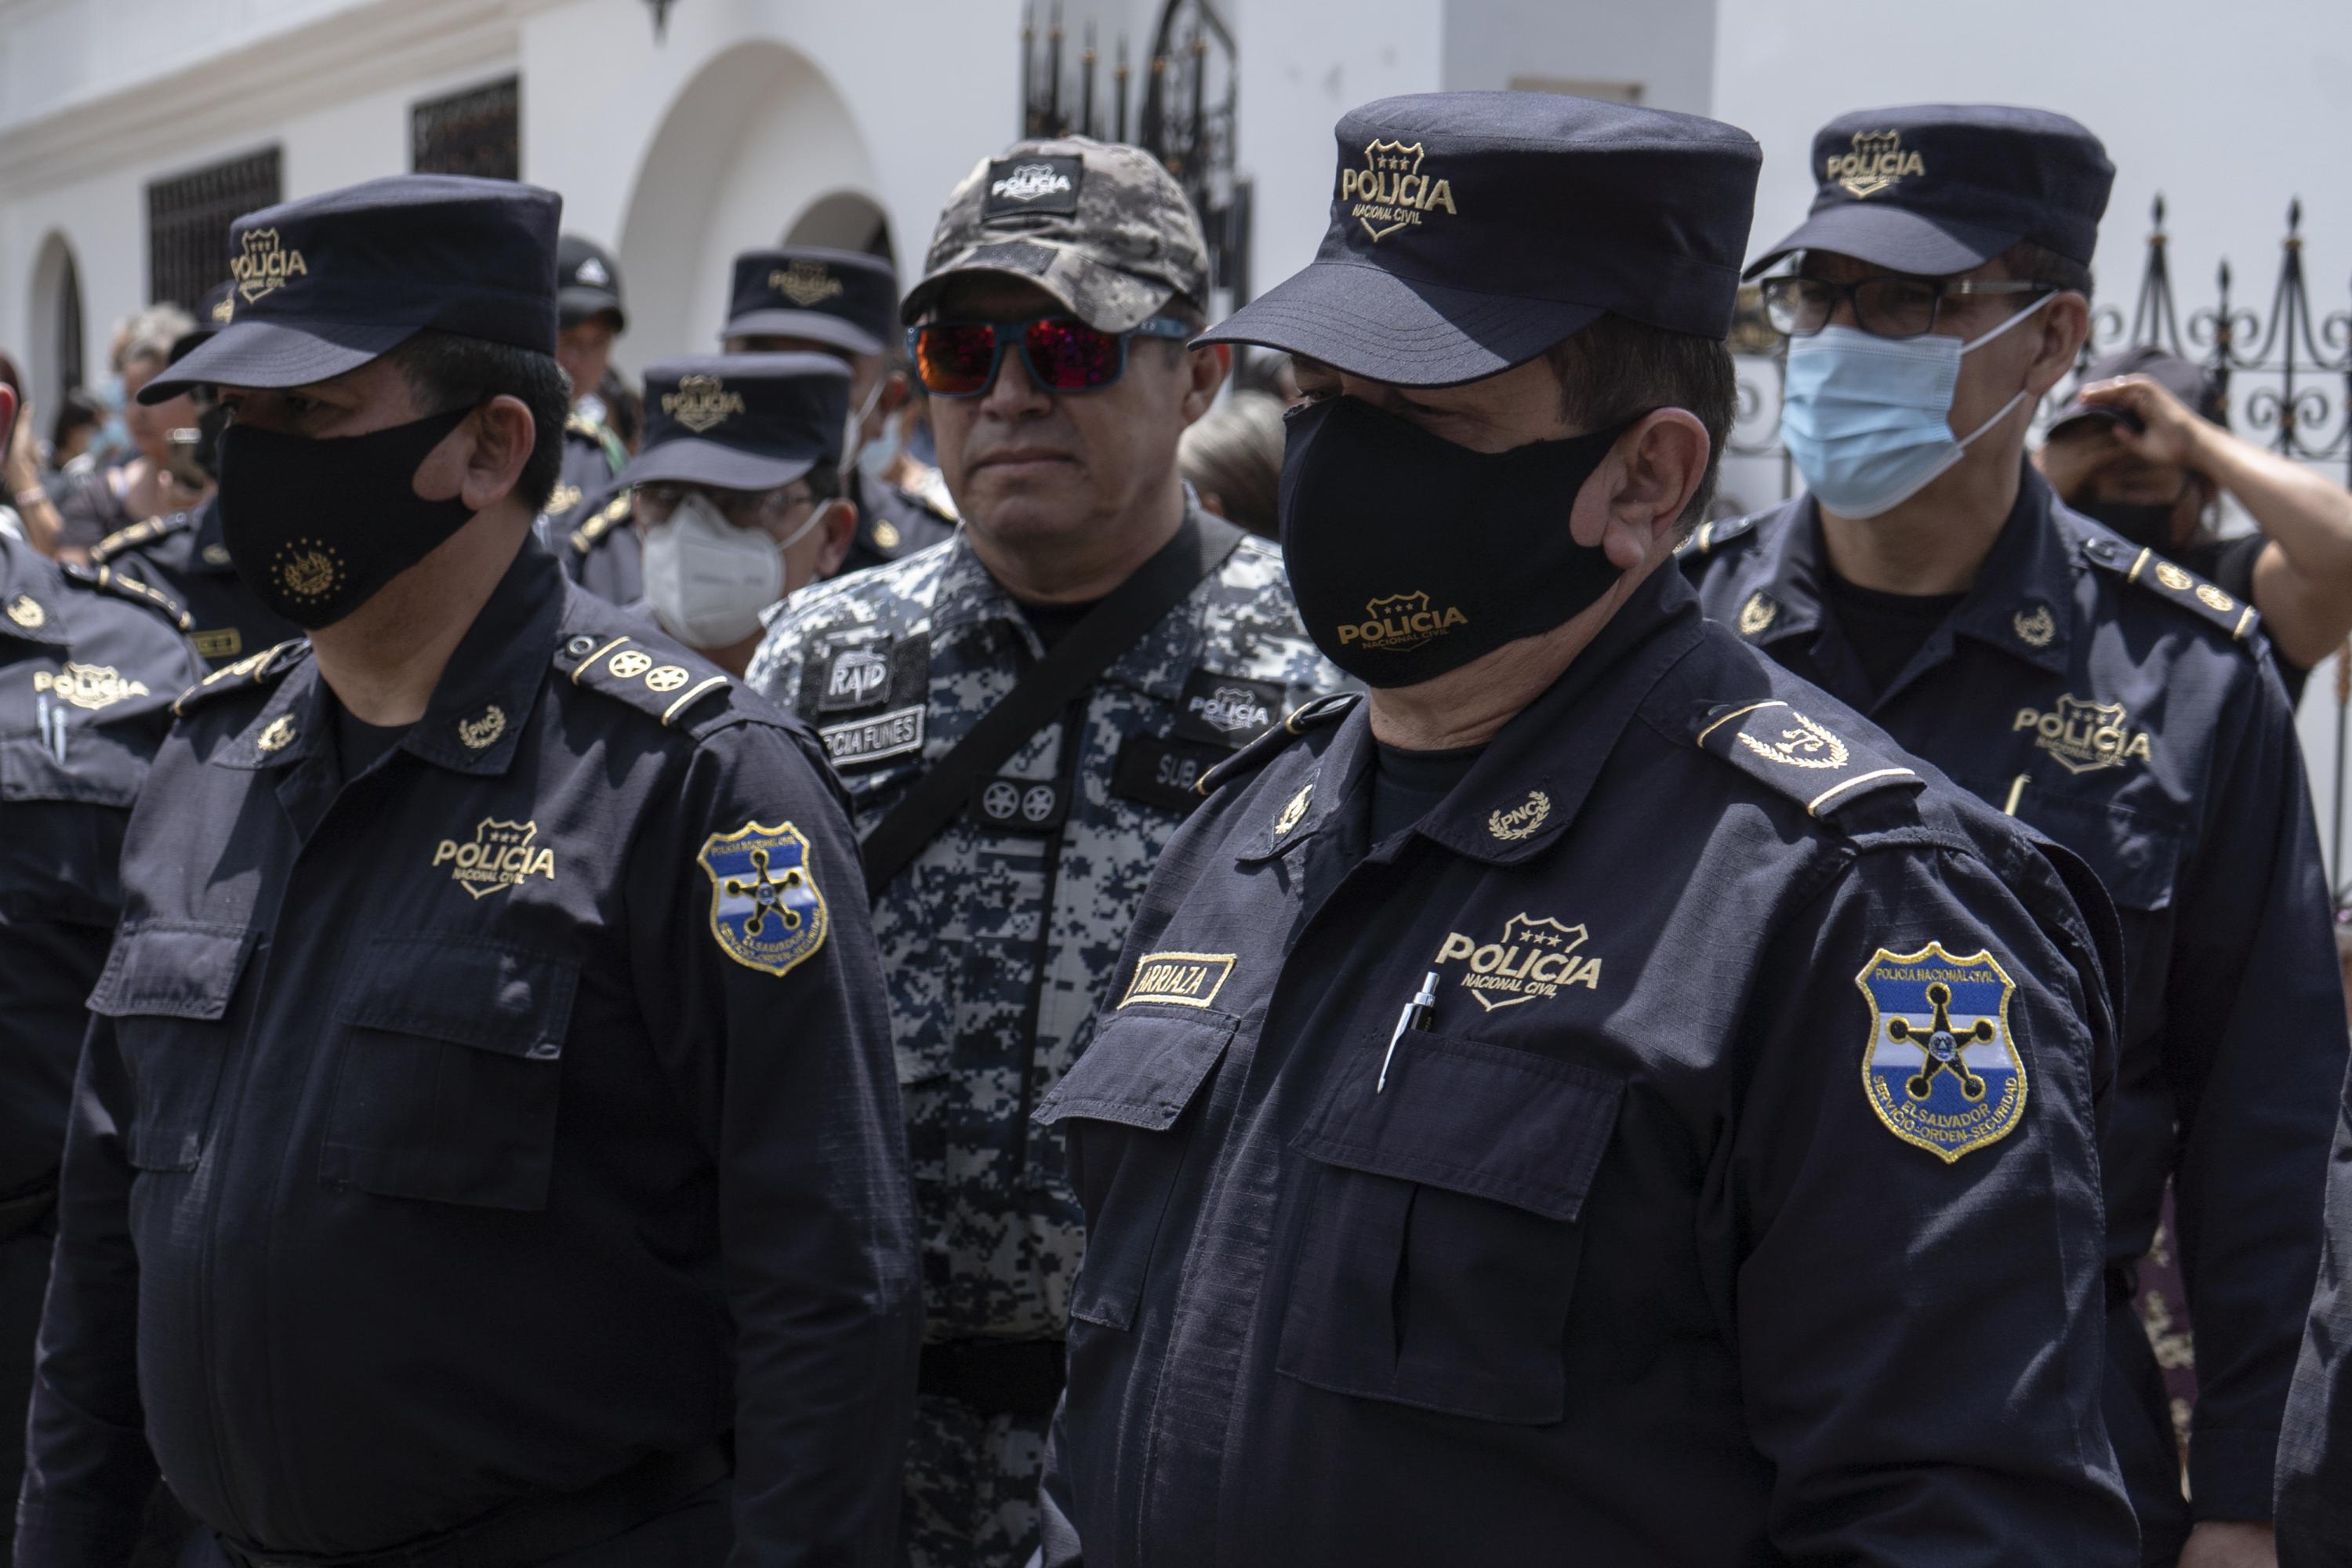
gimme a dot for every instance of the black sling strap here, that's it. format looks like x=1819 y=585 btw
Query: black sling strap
x=1077 y=662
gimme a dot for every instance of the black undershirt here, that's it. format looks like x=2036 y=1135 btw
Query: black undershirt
x=1885 y=630
x=358 y=744
x=1407 y=785
x=1052 y=623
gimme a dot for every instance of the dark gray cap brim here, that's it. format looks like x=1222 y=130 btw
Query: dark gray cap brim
x=278 y=354
x=811 y=326
x=576 y=304
x=1368 y=321
x=1893 y=237
x=712 y=463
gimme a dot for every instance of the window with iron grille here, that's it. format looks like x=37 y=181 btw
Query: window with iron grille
x=477 y=131
x=187 y=223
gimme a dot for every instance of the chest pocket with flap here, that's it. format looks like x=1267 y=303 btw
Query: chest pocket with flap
x=1441 y=1243
x=452 y=1060
x=1142 y=1071
x=167 y=984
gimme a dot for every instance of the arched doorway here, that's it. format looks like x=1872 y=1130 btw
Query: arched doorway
x=754 y=138
x=57 y=325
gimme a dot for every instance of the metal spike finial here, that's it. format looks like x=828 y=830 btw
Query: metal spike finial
x=2156 y=210
x=2295 y=215
x=661 y=17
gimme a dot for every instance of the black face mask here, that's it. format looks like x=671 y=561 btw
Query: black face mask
x=316 y=527
x=1409 y=556
x=2147 y=523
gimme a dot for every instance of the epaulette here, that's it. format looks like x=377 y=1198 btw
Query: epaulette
x=2175 y=584
x=107 y=580
x=264 y=668
x=1312 y=715
x=139 y=533
x=1712 y=536
x=664 y=683
x=1791 y=754
x=615 y=454
x=592 y=529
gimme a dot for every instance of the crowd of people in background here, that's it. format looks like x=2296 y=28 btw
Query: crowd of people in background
x=955 y=777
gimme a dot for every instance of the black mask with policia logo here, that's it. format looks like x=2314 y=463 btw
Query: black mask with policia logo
x=316 y=527
x=1411 y=556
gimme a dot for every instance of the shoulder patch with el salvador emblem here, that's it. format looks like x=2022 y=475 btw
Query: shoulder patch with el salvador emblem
x=766 y=911
x=1941 y=1069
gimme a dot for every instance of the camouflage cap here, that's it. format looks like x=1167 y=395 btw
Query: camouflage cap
x=1099 y=225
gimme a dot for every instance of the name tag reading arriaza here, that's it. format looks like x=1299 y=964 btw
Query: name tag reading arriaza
x=1181 y=979
x=890 y=734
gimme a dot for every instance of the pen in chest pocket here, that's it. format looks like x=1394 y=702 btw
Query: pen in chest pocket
x=1414 y=1017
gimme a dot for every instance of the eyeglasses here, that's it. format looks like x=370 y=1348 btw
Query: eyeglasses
x=744 y=509
x=1887 y=306
x=1061 y=353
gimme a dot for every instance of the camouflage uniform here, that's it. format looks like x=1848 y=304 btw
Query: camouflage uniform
x=998 y=940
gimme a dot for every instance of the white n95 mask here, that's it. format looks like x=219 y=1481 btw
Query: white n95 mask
x=708 y=580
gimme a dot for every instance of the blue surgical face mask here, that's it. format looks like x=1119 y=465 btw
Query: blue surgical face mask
x=1868 y=419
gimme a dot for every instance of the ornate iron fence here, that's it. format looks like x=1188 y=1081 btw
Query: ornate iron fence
x=1184 y=116
x=2285 y=376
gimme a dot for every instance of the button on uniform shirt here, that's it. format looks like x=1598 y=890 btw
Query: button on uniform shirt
x=473 y=1128
x=184 y=555
x=1733 y=1200
x=2130 y=711
x=88 y=674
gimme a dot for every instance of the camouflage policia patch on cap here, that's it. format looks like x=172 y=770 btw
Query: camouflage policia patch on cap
x=1019 y=186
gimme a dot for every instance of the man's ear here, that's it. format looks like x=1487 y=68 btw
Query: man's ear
x=1209 y=368
x=504 y=435
x=839 y=529
x=2065 y=322
x=1643 y=487
x=7 y=416
x=894 y=395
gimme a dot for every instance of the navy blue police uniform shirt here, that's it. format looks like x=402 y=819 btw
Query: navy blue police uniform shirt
x=2315 y=1464
x=1645 y=1252
x=89 y=668
x=2128 y=710
x=475 y=1128
x=184 y=555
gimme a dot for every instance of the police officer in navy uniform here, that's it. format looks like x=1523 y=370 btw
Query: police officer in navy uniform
x=1595 y=1098
x=89 y=663
x=736 y=493
x=2087 y=686
x=578 y=521
x=2315 y=1465
x=845 y=303
x=183 y=553
x=486 y=1142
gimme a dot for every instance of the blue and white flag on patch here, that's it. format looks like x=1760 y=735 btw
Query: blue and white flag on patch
x=766 y=911
x=1942 y=1070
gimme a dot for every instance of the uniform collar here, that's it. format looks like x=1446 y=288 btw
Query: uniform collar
x=1157 y=663
x=2022 y=602
x=1532 y=779
x=30 y=587
x=475 y=719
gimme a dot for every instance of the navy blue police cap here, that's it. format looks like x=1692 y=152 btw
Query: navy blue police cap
x=843 y=299
x=1937 y=188
x=587 y=283
x=1472 y=231
x=741 y=422
x=324 y=285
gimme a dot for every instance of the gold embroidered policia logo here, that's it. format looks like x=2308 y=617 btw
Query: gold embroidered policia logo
x=701 y=402
x=263 y=266
x=90 y=686
x=1535 y=958
x=1391 y=192
x=1877 y=163
x=499 y=856
x=2085 y=736
x=804 y=283
x=1400 y=621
